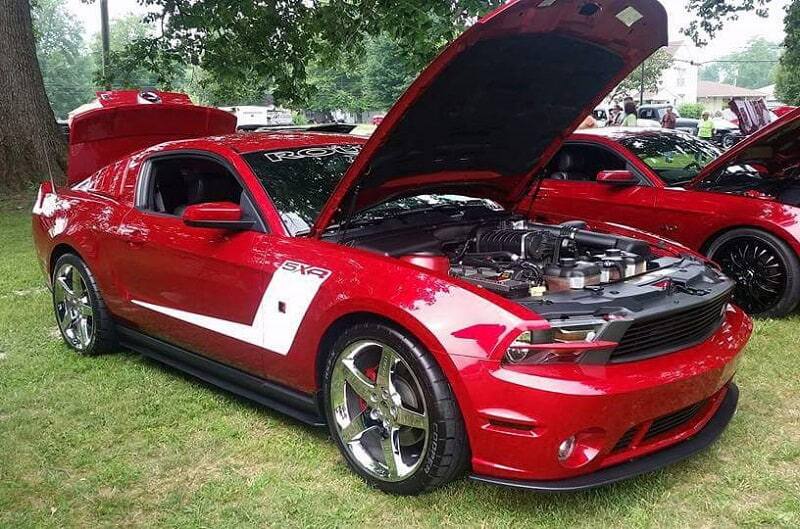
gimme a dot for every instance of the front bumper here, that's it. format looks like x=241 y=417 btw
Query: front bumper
x=518 y=418
x=668 y=456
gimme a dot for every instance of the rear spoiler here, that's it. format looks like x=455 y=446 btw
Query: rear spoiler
x=125 y=121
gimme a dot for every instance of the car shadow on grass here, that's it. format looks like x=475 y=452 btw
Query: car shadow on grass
x=229 y=397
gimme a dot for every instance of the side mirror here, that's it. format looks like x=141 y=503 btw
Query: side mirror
x=218 y=215
x=620 y=178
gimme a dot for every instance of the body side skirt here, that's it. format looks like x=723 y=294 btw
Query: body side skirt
x=295 y=404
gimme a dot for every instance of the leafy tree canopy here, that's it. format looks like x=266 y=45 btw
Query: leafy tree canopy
x=125 y=69
x=712 y=15
x=788 y=78
x=653 y=68
x=753 y=67
x=277 y=41
x=372 y=81
x=63 y=58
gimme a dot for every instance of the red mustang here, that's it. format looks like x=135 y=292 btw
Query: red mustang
x=397 y=292
x=741 y=208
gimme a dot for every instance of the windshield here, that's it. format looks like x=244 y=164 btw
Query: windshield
x=423 y=203
x=300 y=181
x=676 y=158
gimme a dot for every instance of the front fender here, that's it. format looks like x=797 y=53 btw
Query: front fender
x=450 y=318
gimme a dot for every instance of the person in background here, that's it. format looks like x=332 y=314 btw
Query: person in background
x=588 y=123
x=615 y=116
x=630 y=115
x=705 y=130
x=670 y=119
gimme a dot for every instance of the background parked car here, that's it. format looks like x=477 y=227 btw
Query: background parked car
x=656 y=113
x=741 y=209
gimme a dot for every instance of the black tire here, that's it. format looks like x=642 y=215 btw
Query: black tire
x=741 y=254
x=447 y=454
x=102 y=337
x=728 y=141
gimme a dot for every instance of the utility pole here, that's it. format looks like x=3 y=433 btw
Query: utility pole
x=641 y=85
x=106 y=42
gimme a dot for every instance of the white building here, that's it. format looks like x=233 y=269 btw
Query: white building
x=258 y=116
x=679 y=82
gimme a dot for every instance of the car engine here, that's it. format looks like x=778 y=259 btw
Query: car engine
x=521 y=259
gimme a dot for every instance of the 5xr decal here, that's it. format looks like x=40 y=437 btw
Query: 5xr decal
x=305 y=269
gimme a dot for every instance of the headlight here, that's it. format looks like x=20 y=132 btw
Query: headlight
x=564 y=342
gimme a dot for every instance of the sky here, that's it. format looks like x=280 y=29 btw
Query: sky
x=733 y=38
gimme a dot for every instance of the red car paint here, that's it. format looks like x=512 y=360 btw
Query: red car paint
x=691 y=216
x=515 y=416
x=125 y=123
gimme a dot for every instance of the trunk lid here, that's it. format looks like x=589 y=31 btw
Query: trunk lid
x=121 y=122
x=487 y=114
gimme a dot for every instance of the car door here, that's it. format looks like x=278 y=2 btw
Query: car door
x=570 y=189
x=195 y=287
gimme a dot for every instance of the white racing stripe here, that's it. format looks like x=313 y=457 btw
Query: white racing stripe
x=284 y=305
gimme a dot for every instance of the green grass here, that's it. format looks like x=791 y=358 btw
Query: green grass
x=122 y=441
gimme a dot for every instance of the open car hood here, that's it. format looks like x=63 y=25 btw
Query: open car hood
x=774 y=146
x=488 y=113
x=121 y=122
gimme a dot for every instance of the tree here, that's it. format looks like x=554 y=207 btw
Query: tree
x=373 y=81
x=125 y=70
x=652 y=68
x=788 y=78
x=753 y=67
x=691 y=110
x=387 y=72
x=276 y=41
x=206 y=89
x=712 y=15
x=338 y=86
x=63 y=58
x=29 y=137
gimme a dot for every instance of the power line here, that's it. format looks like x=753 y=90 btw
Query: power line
x=703 y=63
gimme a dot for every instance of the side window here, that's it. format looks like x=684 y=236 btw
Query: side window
x=581 y=163
x=175 y=182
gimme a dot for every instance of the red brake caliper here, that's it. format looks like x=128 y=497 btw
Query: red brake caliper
x=372 y=374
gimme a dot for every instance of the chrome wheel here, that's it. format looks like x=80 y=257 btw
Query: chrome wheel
x=73 y=307
x=759 y=271
x=379 y=410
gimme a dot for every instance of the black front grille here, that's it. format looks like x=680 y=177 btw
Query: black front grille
x=659 y=426
x=662 y=334
x=625 y=440
x=671 y=421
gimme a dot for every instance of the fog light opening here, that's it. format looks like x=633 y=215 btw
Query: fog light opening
x=581 y=448
x=566 y=448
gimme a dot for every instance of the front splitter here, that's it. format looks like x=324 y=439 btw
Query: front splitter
x=668 y=456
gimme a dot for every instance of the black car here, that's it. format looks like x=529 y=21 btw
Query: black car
x=726 y=134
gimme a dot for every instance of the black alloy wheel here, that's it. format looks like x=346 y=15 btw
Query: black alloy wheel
x=765 y=270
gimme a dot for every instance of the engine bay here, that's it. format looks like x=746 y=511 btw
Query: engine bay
x=563 y=269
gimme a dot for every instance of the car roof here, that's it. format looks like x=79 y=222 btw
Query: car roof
x=247 y=142
x=620 y=133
